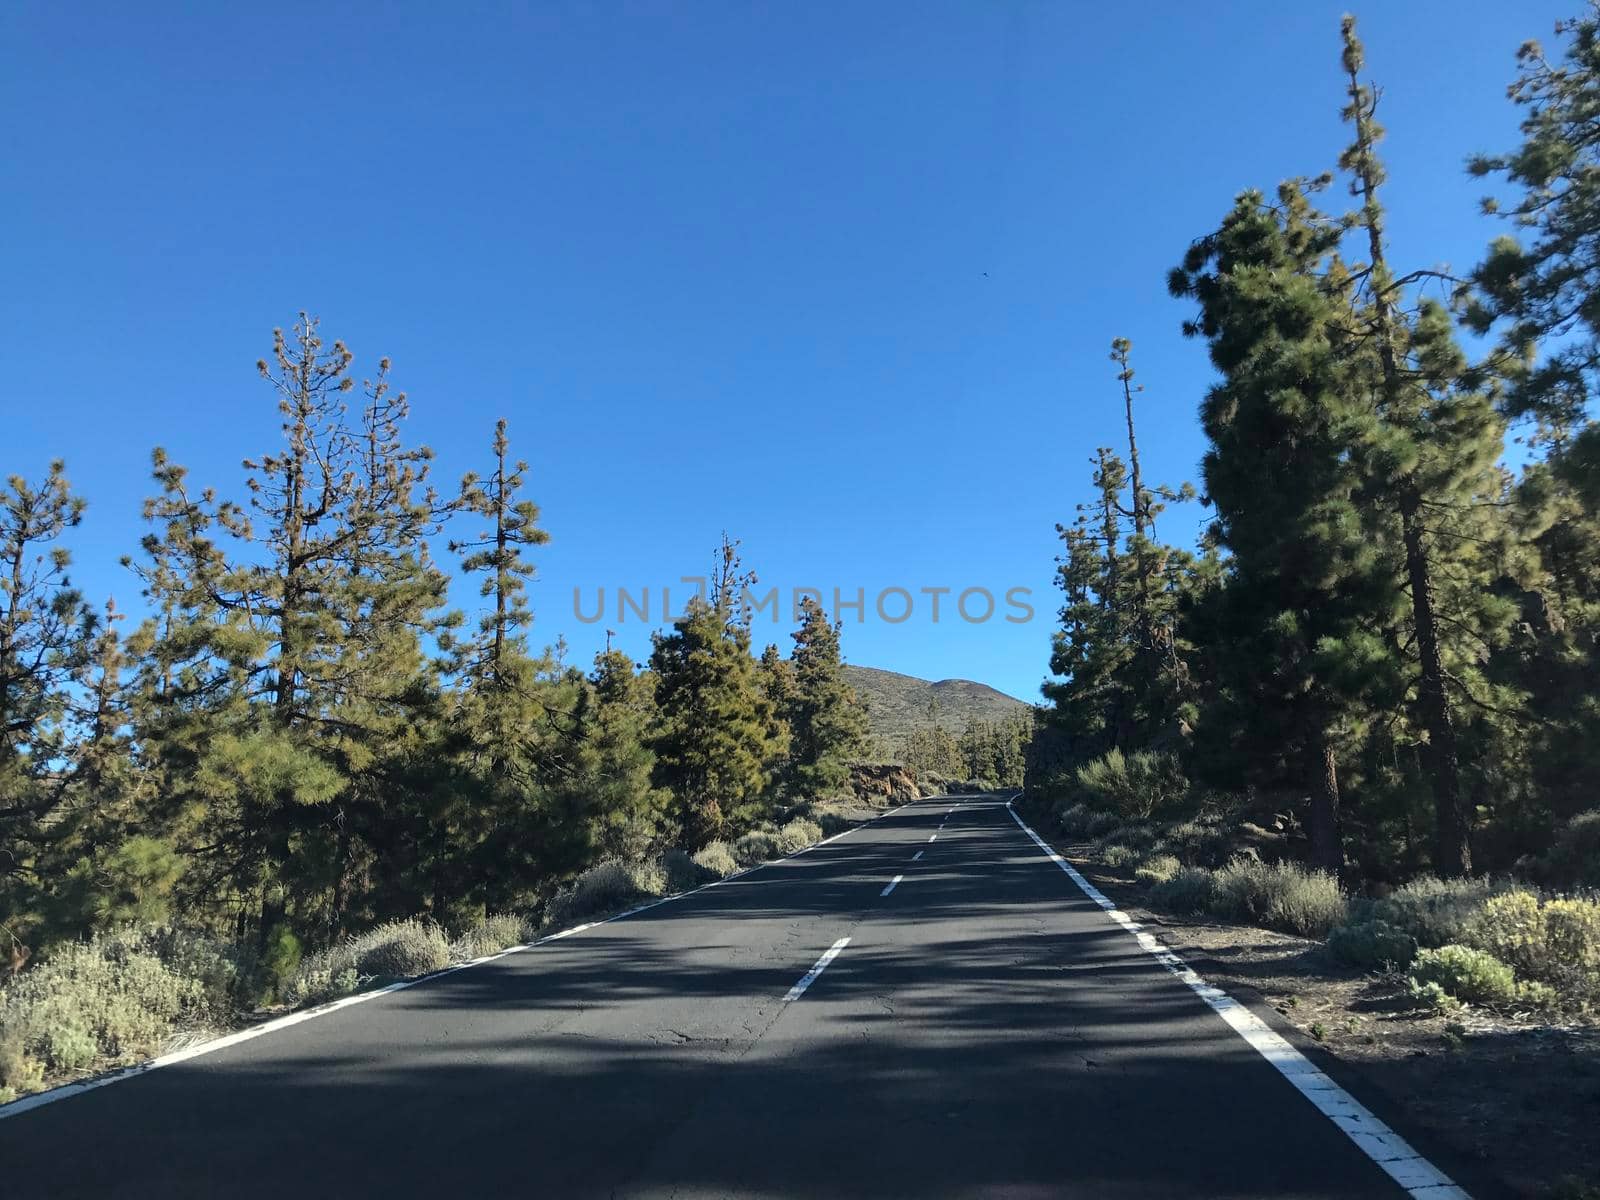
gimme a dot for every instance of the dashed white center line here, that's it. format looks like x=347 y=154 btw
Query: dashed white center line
x=916 y=856
x=810 y=976
x=892 y=882
x=933 y=835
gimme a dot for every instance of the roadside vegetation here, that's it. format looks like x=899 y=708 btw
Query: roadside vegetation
x=1365 y=708
x=298 y=772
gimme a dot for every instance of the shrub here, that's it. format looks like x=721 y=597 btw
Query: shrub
x=1432 y=996
x=605 y=887
x=681 y=873
x=1189 y=891
x=1465 y=974
x=489 y=935
x=319 y=981
x=1100 y=823
x=1280 y=896
x=399 y=949
x=1200 y=842
x=1158 y=868
x=1076 y=820
x=280 y=960
x=1435 y=911
x=106 y=1001
x=1116 y=855
x=1372 y=945
x=716 y=858
x=757 y=846
x=1510 y=926
x=798 y=834
x=1572 y=946
x=1135 y=785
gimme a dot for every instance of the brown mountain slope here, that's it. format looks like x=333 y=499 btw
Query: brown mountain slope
x=898 y=704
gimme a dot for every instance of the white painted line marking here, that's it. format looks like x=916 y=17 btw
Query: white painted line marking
x=891 y=886
x=916 y=856
x=1419 y=1177
x=810 y=976
x=933 y=835
x=66 y=1091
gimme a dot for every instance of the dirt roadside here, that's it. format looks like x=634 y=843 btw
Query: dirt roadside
x=1518 y=1099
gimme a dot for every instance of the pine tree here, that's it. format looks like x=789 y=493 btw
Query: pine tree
x=1308 y=594
x=498 y=553
x=46 y=635
x=1540 y=293
x=629 y=812
x=714 y=744
x=827 y=723
x=1431 y=455
x=287 y=684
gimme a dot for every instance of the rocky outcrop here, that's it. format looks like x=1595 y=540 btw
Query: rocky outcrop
x=883 y=784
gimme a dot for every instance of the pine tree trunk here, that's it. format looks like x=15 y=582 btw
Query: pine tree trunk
x=1327 y=844
x=1452 y=846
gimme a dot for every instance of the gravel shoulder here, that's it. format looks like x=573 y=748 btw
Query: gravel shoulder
x=1520 y=1099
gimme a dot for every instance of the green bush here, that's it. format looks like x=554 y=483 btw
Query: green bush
x=1281 y=896
x=489 y=935
x=1157 y=868
x=1572 y=947
x=280 y=959
x=1189 y=891
x=1466 y=974
x=717 y=859
x=1510 y=926
x=1372 y=945
x=1435 y=911
x=1136 y=785
x=1432 y=996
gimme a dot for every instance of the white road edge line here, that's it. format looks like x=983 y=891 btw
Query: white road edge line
x=1419 y=1177
x=66 y=1091
x=810 y=976
x=892 y=884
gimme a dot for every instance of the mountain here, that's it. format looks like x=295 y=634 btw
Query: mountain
x=898 y=704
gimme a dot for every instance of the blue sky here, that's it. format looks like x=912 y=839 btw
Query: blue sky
x=838 y=278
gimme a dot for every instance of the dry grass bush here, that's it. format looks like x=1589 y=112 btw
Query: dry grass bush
x=1282 y=896
x=798 y=834
x=111 y=1000
x=1157 y=868
x=605 y=887
x=716 y=858
x=1434 y=911
x=1191 y=890
x=489 y=935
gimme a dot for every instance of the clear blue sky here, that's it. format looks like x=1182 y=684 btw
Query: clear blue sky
x=839 y=278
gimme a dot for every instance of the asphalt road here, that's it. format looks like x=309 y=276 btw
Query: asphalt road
x=986 y=1031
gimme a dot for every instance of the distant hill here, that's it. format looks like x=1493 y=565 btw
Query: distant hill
x=898 y=704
